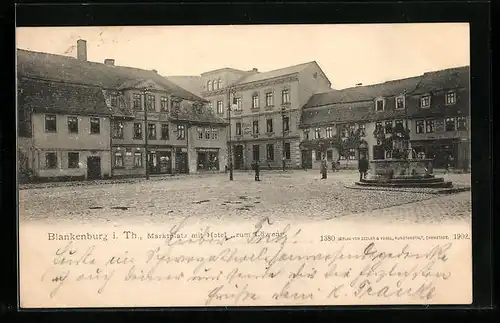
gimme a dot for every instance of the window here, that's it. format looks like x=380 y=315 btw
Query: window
x=137 y=159
x=207 y=133
x=209 y=86
x=329 y=132
x=73 y=124
x=419 y=126
x=400 y=103
x=461 y=123
x=176 y=106
x=50 y=123
x=398 y=122
x=151 y=131
x=352 y=153
x=269 y=99
x=181 y=131
x=210 y=105
x=118 y=160
x=95 y=126
x=269 y=123
x=362 y=130
x=378 y=124
x=318 y=155
x=429 y=126
x=219 y=84
x=317 y=132
x=137 y=101
x=379 y=105
x=449 y=124
x=425 y=101
x=118 y=129
x=215 y=134
x=114 y=100
x=255 y=127
x=51 y=160
x=270 y=152
x=164 y=104
x=73 y=160
x=352 y=129
x=255 y=101
x=150 y=102
x=286 y=123
x=137 y=130
x=450 y=97
x=200 y=132
x=306 y=134
x=388 y=126
x=238 y=128
x=164 y=132
x=219 y=107
x=256 y=152
x=329 y=154
x=285 y=96
x=287 y=150
x=239 y=105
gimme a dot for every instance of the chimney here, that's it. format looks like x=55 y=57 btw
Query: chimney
x=255 y=70
x=81 y=50
x=359 y=84
x=109 y=61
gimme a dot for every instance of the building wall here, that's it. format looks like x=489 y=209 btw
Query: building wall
x=62 y=141
x=196 y=145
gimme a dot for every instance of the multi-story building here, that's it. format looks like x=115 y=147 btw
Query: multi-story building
x=128 y=97
x=265 y=109
x=423 y=103
x=64 y=130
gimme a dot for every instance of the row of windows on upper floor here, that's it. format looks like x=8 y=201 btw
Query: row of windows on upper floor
x=269 y=126
x=149 y=102
x=214 y=85
x=425 y=101
x=238 y=103
x=203 y=133
x=429 y=125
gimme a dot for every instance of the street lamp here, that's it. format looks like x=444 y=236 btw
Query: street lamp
x=229 y=150
x=283 y=112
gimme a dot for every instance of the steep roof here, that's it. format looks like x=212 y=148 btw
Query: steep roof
x=198 y=114
x=275 y=73
x=57 y=97
x=450 y=78
x=192 y=83
x=364 y=93
x=72 y=70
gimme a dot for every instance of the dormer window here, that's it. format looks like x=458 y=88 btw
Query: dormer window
x=451 y=97
x=400 y=102
x=379 y=105
x=425 y=101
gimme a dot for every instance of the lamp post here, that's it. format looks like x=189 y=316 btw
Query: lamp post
x=146 y=149
x=229 y=150
x=283 y=111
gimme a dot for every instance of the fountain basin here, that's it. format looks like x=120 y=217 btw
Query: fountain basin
x=403 y=173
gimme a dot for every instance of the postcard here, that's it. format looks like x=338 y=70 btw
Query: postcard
x=249 y=165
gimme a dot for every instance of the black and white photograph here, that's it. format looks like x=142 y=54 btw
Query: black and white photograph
x=244 y=165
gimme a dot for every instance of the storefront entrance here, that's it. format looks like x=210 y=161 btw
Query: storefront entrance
x=307 y=159
x=238 y=157
x=208 y=160
x=160 y=162
x=181 y=162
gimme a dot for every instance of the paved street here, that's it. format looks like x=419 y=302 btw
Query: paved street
x=294 y=195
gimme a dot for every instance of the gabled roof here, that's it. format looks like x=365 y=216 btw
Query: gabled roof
x=451 y=78
x=71 y=70
x=275 y=73
x=230 y=69
x=56 y=97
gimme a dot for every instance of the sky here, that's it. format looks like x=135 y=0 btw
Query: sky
x=348 y=54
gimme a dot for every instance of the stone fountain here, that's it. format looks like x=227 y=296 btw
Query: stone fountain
x=403 y=169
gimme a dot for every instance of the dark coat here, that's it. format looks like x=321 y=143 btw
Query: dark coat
x=256 y=167
x=363 y=165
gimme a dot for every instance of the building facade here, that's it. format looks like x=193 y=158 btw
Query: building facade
x=144 y=120
x=265 y=110
x=434 y=107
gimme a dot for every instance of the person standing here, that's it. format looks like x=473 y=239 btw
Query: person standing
x=256 y=167
x=324 y=168
x=362 y=167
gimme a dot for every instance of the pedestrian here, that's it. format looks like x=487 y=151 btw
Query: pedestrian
x=334 y=166
x=256 y=168
x=363 y=168
x=324 y=168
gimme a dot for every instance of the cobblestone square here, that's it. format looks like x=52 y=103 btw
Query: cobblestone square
x=294 y=195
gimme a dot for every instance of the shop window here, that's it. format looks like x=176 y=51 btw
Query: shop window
x=51 y=160
x=208 y=160
x=137 y=159
x=118 y=160
x=73 y=160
